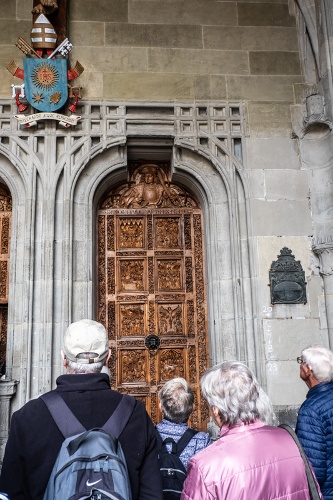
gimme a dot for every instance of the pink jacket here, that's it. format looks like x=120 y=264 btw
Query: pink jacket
x=248 y=462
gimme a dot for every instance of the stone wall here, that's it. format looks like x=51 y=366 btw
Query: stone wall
x=207 y=51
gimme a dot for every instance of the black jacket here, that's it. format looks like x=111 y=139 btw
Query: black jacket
x=35 y=440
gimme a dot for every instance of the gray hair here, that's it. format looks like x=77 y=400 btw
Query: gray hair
x=233 y=389
x=77 y=367
x=176 y=398
x=320 y=360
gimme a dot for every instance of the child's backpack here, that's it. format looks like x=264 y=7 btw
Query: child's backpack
x=90 y=463
x=172 y=469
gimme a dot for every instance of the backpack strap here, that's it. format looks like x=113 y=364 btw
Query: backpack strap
x=64 y=418
x=176 y=448
x=185 y=439
x=69 y=425
x=119 y=418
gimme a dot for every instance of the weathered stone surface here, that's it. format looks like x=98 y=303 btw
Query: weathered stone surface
x=9 y=34
x=302 y=90
x=183 y=12
x=256 y=180
x=145 y=35
x=218 y=87
x=281 y=218
x=7 y=9
x=284 y=386
x=148 y=86
x=6 y=79
x=277 y=188
x=269 y=119
x=87 y=34
x=92 y=83
x=24 y=10
x=103 y=10
x=250 y=38
x=274 y=63
x=261 y=88
x=275 y=153
x=198 y=61
x=264 y=15
x=118 y=59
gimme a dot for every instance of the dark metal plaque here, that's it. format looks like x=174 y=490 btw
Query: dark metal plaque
x=287 y=280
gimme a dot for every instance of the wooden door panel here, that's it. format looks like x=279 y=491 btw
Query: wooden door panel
x=5 y=232
x=151 y=287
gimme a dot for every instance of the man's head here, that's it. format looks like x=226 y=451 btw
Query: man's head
x=316 y=365
x=85 y=348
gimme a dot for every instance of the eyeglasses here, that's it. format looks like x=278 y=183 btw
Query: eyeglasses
x=299 y=360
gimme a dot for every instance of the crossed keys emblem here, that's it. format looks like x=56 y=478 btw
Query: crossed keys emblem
x=64 y=48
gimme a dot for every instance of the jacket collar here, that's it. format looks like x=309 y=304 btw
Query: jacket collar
x=83 y=382
x=322 y=387
x=241 y=427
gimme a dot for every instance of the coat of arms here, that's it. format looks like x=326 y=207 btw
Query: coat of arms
x=46 y=76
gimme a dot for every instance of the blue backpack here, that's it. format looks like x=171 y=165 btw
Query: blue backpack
x=90 y=463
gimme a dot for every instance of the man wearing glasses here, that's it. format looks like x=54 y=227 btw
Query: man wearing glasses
x=315 y=418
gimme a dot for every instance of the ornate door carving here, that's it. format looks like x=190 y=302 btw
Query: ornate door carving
x=151 y=294
x=5 y=226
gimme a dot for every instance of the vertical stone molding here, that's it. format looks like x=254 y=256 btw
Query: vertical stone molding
x=7 y=390
x=325 y=254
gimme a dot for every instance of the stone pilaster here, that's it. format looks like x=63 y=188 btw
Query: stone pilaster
x=7 y=390
x=325 y=253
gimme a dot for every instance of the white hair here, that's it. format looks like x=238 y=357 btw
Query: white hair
x=176 y=398
x=320 y=360
x=77 y=367
x=233 y=389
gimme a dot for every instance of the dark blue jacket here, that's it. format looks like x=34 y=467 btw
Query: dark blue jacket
x=315 y=431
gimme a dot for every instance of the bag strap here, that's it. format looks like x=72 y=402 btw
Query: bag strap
x=63 y=417
x=184 y=440
x=119 y=418
x=314 y=494
x=176 y=448
x=69 y=425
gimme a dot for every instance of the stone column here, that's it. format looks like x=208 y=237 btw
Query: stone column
x=7 y=389
x=325 y=254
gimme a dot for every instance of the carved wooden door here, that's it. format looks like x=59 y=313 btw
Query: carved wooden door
x=5 y=227
x=151 y=294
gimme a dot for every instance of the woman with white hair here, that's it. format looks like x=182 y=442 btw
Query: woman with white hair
x=251 y=460
x=176 y=404
x=315 y=418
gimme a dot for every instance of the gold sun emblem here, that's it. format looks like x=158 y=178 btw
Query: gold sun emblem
x=45 y=76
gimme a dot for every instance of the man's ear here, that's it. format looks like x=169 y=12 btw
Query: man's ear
x=107 y=358
x=64 y=359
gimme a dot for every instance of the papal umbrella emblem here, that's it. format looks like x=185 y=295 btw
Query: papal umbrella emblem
x=46 y=83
